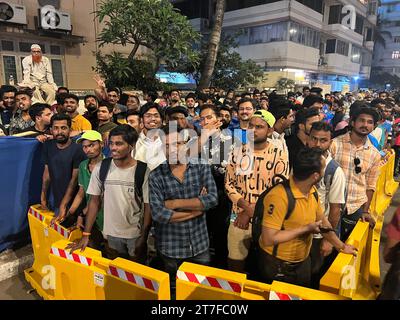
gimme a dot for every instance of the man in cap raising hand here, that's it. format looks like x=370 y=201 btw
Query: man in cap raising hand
x=39 y=76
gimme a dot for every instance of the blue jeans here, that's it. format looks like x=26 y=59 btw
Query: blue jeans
x=124 y=247
x=171 y=266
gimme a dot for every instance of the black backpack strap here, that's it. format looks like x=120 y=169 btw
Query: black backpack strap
x=104 y=168
x=291 y=204
x=140 y=172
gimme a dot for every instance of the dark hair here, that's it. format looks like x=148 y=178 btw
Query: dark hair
x=367 y=110
x=303 y=114
x=355 y=106
x=311 y=99
x=306 y=88
x=307 y=161
x=62 y=88
x=264 y=98
x=23 y=92
x=71 y=96
x=377 y=101
x=176 y=90
x=115 y=90
x=61 y=117
x=104 y=103
x=256 y=91
x=129 y=135
x=152 y=95
x=167 y=129
x=135 y=97
x=60 y=97
x=90 y=96
x=6 y=89
x=37 y=109
x=243 y=100
x=150 y=105
x=321 y=126
x=202 y=96
x=209 y=106
x=280 y=108
x=131 y=112
x=225 y=108
x=190 y=95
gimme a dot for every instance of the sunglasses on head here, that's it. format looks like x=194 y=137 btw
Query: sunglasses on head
x=357 y=163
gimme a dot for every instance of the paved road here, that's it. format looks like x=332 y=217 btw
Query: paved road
x=17 y=288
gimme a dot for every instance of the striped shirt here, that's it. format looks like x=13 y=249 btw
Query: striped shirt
x=344 y=152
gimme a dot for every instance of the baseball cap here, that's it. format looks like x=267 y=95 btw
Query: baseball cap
x=266 y=116
x=90 y=135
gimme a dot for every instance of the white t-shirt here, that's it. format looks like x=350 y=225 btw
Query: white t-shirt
x=336 y=192
x=123 y=216
x=149 y=151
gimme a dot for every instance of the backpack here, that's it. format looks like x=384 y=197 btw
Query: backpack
x=330 y=171
x=140 y=172
x=259 y=209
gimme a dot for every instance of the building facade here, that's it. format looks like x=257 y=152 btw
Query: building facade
x=304 y=40
x=387 y=50
x=69 y=40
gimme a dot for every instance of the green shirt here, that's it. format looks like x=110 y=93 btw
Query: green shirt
x=83 y=181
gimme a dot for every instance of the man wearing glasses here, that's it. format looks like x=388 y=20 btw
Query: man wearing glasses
x=38 y=76
x=360 y=162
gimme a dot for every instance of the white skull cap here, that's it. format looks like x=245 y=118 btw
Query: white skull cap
x=36 y=46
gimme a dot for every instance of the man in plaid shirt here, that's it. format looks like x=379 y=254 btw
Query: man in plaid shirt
x=360 y=161
x=180 y=193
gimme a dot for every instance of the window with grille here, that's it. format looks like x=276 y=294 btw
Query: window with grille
x=56 y=66
x=9 y=68
x=7 y=45
x=56 y=50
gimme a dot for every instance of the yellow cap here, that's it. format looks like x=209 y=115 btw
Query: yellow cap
x=266 y=116
x=90 y=135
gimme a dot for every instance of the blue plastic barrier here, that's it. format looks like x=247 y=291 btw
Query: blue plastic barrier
x=20 y=184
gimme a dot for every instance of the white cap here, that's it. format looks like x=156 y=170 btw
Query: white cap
x=36 y=46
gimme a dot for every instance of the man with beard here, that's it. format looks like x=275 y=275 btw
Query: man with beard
x=286 y=241
x=174 y=98
x=41 y=114
x=304 y=120
x=21 y=119
x=79 y=123
x=38 y=75
x=226 y=116
x=190 y=102
x=249 y=173
x=359 y=160
x=61 y=158
x=8 y=107
x=332 y=194
x=246 y=109
x=284 y=116
x=127 y=219
x=91 y=105
x=92 y=144
x=216 y=145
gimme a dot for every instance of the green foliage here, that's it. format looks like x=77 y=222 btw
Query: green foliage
x=154 y=24
x=230 y=71
x=285 y=84
x=123 y=72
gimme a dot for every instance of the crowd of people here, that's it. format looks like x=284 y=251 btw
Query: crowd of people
x=167 y=179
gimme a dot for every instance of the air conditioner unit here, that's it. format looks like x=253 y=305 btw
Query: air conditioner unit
x=12 y=13
x=52 y=19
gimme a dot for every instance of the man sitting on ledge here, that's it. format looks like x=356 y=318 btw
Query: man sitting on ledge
x=39 y=76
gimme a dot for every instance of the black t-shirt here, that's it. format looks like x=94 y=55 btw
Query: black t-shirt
x=38 y=133
x=61 y=163
x=294 y=145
